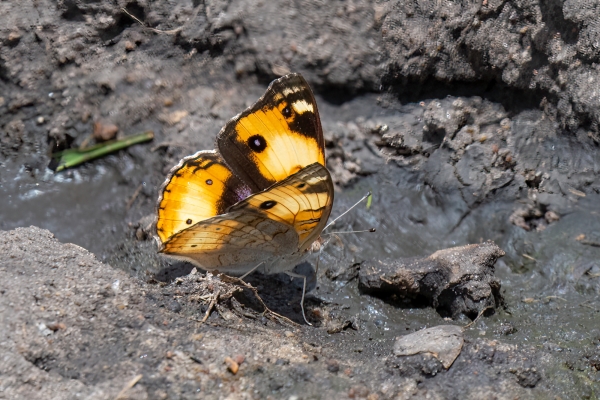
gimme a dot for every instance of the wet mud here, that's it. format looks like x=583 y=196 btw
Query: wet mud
x=469 y=123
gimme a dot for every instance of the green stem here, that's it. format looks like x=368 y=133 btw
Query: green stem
x=73 y=157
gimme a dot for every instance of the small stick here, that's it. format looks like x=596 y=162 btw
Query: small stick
x=129 y=385
x=267 y=309
x=135 y=195
x=476 y=319
x=213 y=301
x=169 y=32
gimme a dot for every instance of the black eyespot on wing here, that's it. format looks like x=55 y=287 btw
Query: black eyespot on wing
x=209 y=182
x=257 y=143
x=188 y=221
x=300 y=186
x=194 y=245
x=287 y=111
x=268 y=204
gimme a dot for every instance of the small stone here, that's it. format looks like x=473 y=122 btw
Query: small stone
x=14 y=36
x=232 y=366
x=44 y=329
x=174 y=306
x=168 y=102
x=288 y=334
x=358 y=392
x=239 y=358
x=332 y=366
x=103 y=132
x=129 y=45
x=506 y=329
x=40 y=120
x=551 y=216
x=56 y=326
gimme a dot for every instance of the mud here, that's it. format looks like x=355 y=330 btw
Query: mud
x=468 y=122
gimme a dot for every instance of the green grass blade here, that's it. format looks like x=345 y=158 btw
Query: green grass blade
x=74 y=157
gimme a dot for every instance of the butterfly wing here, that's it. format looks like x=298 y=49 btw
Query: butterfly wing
x=276 y=137
x=303 y=201
x=199 y=187
x=267 y=226
x=234 y=243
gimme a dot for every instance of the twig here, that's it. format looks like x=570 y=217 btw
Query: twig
x=167 y=144
x=255 y=291
x=529 y=257
x=590 y=243
x=129 y=385
x=135 y=195
x=476 y=319
x=213 y=301
x=555 y=297
x=169 y=32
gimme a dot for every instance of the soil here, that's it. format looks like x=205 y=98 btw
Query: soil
x=468 y=122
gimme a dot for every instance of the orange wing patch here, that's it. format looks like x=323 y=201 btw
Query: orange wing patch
x=200 y=187
x=276 y=137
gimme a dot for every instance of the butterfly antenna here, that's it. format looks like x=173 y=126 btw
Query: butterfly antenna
x=293 y=275
x=366 y=230
x=348 y=210
x=252 y=270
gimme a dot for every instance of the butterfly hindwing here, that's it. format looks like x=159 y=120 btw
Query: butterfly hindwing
x=303 y=201
x=199 y=187
x=233 y=242
x=276 y=137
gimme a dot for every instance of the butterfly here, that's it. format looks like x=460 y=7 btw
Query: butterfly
x=262 y=198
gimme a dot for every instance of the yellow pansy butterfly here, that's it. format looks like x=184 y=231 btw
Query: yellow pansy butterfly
x=263 y=196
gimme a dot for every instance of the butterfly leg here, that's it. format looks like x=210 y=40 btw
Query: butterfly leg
x=252 y=270
x=293 y=275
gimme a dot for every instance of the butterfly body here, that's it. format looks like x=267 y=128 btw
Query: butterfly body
x=263 y=197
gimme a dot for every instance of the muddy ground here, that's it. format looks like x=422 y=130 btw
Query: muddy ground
x=469 y=122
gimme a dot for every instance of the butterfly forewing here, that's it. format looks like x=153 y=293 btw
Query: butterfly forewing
x=276 y=137
x=200 y=187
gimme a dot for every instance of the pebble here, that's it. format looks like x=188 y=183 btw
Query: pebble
x=239 y=358
x=332 y=366
x=174 y=306
x=232 y=366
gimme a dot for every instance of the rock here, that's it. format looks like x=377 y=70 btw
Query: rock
x=443 y=342
x=458 y=280
x=105 y=131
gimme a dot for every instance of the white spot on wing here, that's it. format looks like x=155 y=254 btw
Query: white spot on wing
x=301 y=106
